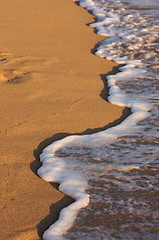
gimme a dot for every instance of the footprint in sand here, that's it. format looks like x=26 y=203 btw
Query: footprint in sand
x=12 y=75
x=17 y=69
x=9 y=72
x=3 y=57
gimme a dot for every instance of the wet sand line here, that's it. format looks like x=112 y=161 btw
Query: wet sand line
x=55 y=209
x=48 y=221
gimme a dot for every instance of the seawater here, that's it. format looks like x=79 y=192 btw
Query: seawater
x=114 y=175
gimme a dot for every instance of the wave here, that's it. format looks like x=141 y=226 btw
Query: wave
x=55 y=166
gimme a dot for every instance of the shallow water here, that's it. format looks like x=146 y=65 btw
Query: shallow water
x=117 y=168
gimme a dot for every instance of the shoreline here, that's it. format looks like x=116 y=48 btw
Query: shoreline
x=25 y=131
x=63 y=224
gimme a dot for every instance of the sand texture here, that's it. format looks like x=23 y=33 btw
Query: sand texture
x=51 y=85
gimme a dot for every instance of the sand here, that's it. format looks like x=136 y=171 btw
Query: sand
x=51 y=85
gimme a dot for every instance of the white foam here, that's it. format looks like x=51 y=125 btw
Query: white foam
x=57 y=169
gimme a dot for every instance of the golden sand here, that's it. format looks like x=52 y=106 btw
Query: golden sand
x=50 y=86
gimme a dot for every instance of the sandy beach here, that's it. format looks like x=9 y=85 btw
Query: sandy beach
x=51 y=85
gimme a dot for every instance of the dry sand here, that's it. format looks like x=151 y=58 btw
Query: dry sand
x=50 y=85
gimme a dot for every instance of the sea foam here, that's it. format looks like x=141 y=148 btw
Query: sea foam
x=58 y=169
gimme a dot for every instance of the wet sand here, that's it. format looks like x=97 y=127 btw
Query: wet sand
x=51 y=85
